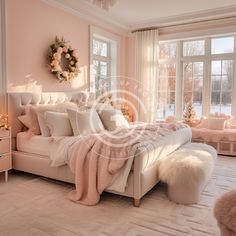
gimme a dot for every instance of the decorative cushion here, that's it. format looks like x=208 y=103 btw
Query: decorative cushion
x=58 y=123
x=85 y=122
x=216 y=123
x=113 y=119
x=24 y=119
x=33 y=111
x=170 y=119
x=227 y=118
x=203 y=123
x=45 y=131
x=98 y=106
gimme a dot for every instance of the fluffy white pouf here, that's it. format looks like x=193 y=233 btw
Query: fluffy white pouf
x=187 y=170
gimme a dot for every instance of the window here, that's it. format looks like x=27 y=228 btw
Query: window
x=166 y=91
x=168 y=50
x=200 y=71
x=221 y=86
x=167 y=80
x=101 y=48
x=193 y=84
x=194 y=48
x=101 y=66
x=222 y=45
x=104 y=59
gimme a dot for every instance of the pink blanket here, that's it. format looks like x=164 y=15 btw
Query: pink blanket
x=98 y=157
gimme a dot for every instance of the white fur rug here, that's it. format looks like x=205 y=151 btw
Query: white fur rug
x=32 y=205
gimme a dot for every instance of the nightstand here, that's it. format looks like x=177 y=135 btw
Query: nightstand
x=5 y=151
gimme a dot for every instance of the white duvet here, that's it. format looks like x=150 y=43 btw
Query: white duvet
x=154 y=150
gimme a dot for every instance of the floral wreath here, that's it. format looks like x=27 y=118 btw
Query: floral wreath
x=57 y=50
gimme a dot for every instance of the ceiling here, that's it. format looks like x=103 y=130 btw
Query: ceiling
x=134 y=14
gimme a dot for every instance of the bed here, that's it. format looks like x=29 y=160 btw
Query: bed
x=29 y=157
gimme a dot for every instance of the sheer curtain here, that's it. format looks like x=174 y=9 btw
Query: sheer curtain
x=147 y=52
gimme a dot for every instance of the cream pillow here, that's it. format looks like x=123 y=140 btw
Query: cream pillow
x=85 y=122
x=58 y=123
x=113 y=119
x=45 y=131
x=216 y=123
x=227 y=118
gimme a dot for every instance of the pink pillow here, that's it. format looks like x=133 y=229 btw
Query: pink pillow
x=33 y=111
x=24 y=119
x=170 y=119
x=203 y=123
x=216 y=123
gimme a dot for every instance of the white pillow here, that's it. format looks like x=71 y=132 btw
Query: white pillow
x=113 y=119
x=227 y=118
x=216 y=123
x=85 y=122
x=58 y=123
x=45 y=131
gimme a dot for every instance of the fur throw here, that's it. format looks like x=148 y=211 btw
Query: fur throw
x=191 y=165
x=225 y=213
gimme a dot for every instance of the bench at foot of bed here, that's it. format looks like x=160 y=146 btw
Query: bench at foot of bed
x=187 y=171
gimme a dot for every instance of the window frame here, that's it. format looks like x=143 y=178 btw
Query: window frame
x=107 y=59
x=207 y=58
x=166 y=92
x=174 y=61
x=113 y=58
x=223 y=36
x=193 y=87
x=221 y=91
x=193 y=40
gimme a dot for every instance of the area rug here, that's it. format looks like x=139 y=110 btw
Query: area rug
x=31 y=205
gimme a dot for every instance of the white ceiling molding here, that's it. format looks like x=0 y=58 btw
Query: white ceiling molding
x=92 y=14
x=188 y=18
x=87 y=10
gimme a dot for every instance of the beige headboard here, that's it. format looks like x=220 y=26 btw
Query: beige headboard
x=17 y=102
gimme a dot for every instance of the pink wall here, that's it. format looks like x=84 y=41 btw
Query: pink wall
x=31 y=27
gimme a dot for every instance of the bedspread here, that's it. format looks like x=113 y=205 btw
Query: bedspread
x=95 y=159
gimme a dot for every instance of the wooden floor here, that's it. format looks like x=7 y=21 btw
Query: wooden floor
x=31 y=206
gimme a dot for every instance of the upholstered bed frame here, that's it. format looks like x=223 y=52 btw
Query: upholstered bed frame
x=142 y=178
